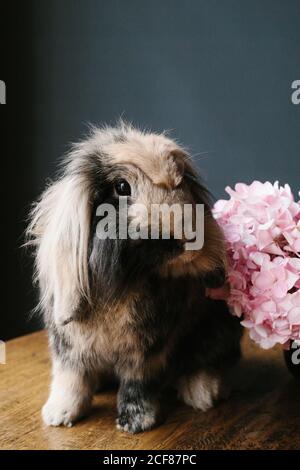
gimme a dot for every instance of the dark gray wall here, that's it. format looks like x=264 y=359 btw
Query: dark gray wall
x=217 y=72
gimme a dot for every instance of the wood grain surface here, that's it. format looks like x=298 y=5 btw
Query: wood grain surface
x=263 y=411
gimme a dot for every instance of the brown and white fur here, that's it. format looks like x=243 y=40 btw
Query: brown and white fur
x=133 y=309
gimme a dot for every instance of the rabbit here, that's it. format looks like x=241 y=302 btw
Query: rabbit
x=133 y=309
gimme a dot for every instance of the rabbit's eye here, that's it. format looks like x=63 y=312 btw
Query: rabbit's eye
x=122 y=188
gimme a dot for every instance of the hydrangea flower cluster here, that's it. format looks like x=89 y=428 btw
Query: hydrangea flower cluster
x=261 y=223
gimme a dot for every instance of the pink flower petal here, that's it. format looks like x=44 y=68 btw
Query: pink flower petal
x=294 y=316
x=261 y=224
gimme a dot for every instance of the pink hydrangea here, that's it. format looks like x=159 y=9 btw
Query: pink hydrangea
x=261 y=223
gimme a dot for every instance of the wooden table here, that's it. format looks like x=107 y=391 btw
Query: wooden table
x=263 y=411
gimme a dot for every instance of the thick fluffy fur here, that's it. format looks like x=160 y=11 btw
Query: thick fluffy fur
x=134 y=309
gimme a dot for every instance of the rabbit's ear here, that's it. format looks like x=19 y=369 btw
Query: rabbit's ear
x=60 y=230
x=212 y=260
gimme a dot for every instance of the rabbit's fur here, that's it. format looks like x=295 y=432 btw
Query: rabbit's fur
x=134 y=309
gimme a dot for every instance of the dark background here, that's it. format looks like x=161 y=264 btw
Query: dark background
x=218 y=73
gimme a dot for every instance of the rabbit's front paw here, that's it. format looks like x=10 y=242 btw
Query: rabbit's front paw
x=61 y=412
x=136 y=418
